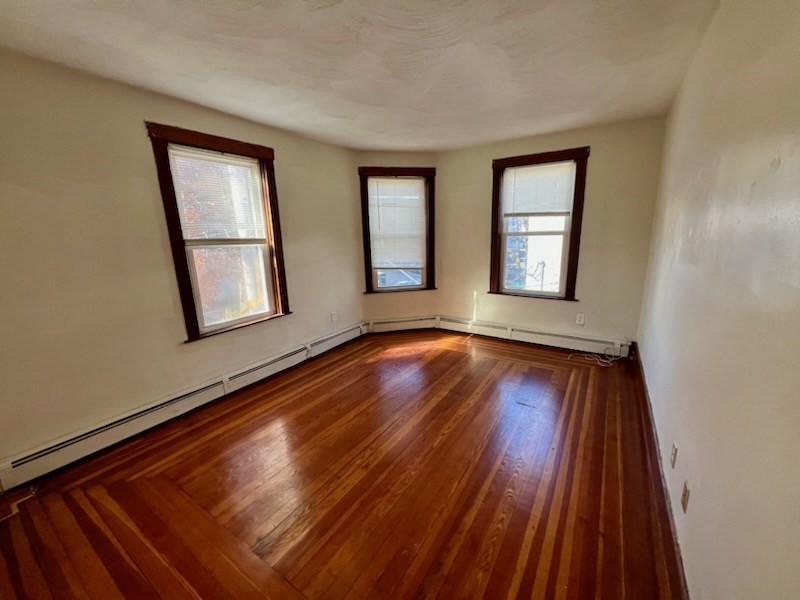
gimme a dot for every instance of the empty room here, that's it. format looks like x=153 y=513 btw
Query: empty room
x=400 y=299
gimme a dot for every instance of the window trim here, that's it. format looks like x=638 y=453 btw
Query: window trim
x=163 y=135
x=429 y=175
x=580 y=156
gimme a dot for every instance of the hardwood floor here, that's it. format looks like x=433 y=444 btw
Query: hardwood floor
x=404 y=465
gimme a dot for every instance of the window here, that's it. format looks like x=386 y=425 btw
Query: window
x=397 y=215
x=222 y=214
x=537 y=204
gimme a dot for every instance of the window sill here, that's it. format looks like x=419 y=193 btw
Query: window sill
x=426 y=289
x=536 y=296
x=203 y=336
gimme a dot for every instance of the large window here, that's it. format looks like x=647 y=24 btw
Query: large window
x=537 y=203
x=397 y=213
x=222 y=215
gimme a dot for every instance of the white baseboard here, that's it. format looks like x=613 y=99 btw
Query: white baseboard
x=615 y=347
x=38 y=461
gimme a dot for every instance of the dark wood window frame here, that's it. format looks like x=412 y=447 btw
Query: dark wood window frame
x=163 y=135
x=429 y=175
x=581 y=158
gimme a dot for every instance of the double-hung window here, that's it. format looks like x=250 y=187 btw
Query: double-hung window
x=397 y=214
x=537 y=211
x=222 y=215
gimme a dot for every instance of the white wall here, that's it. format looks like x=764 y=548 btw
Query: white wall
x=622 y=182
x=91 y=318
x=720 y=327
x=92 y=323
x=621 y=188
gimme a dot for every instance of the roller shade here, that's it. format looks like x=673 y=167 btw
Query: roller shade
x=539 y=188
x=397 y=221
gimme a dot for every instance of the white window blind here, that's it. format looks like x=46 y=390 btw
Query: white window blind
x=397 y=222
x=223 y=222
x=219 y=195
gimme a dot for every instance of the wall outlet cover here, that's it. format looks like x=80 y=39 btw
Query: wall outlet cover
x=685 y=496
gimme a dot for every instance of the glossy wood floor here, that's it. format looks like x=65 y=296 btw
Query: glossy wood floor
x=404 y=465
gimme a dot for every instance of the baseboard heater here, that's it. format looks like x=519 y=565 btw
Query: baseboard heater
x=58 y=454
x=63 y=452
x=614 y=347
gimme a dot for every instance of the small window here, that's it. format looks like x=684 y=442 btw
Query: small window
x=222 y=215
x=397 y=214
x=536 y=226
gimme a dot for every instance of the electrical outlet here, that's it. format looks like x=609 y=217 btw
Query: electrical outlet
x=685 y=496
x=580 y=319
x=334 y=317
x=673 y=457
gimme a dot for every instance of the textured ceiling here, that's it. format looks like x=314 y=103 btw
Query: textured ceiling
x=378 y=74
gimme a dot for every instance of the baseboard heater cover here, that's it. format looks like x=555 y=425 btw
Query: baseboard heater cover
x=326 y=343
x=216 y=386
x=615 y=347
x=265 y=369
x=63 y=452
x=66 y=451
x=404 y=323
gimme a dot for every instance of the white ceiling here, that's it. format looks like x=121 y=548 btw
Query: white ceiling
x=382 y=74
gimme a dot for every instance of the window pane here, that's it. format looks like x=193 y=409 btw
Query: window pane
x=533 y=263
x=539 y=188
x=391 y=278
x=537 y=223
x=231 y=282
x=397 y=221
x=219 y=195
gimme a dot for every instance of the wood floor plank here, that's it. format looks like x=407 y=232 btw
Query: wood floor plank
x=413 y=464
x=474 y=550
x=61 y=576
x=199 y=564
x=369 y=454
x=29 y=582
x=34 y=582
x=165 y=577
x=336 y=408
x=164 y=492
x=444 y=480
x=95 y=576
x=353 y=525
x=211 y=556
x=10 y=578
x=429 y=572
x=260 y=428
x=6 y=565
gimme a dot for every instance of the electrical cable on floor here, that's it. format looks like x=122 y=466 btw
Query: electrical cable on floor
x=605 y=360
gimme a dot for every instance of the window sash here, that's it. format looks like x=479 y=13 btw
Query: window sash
x=191 y=243
x=564 y=233
x=421 y=285
x=267 y=259
x=562 y=267
x=255 y=186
